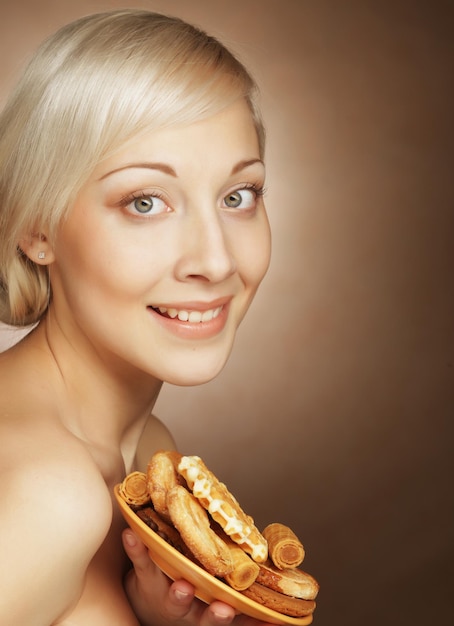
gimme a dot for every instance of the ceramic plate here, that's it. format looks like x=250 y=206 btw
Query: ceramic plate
x=207 y=587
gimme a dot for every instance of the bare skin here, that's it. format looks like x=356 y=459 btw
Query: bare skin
x=59 y=481
x=76 y=400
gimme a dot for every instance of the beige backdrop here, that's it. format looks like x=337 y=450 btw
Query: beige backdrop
x=334 y=413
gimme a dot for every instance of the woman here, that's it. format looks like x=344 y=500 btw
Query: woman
x=134 y=237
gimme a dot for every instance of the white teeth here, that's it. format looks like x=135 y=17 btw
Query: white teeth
x=207 y=316
x=193 y=317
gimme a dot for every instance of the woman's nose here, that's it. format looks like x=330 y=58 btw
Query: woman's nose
x=205 y=251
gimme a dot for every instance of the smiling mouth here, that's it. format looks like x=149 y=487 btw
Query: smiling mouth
x=192 y=317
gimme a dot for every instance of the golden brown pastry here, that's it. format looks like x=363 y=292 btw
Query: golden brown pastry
x=162 y=475
x=223 y=507
x=284 y=547
x=192 y=522
x=291 y=581
x=294 y=607
x=134 y=490
x=245 y=570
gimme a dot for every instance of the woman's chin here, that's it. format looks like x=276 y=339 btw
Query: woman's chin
x=195 y=373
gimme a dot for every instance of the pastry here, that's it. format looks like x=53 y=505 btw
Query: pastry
x=294 y=607
x=291 y=581
x=134 y=490
x=192 y=522
x=162 y=475
x=245 y=570
x=223 y=507
x=284 y=547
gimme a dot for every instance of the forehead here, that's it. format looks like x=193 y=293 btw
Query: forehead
x=226 y=137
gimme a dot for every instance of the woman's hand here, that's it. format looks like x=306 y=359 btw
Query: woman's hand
x=159 y=602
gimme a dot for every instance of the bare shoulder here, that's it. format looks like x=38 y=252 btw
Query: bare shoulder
x=156 y=436
x=54 y=496
x=47 y=473
x=55 y=516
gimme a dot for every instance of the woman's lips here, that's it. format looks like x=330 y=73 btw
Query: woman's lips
x=192 y=323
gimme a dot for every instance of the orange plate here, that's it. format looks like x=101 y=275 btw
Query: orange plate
x=207 y=587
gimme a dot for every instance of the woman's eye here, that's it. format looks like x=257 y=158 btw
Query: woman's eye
x=241 y=199
x=147 y=205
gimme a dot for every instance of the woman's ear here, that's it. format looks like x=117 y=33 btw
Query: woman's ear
x=37 y=248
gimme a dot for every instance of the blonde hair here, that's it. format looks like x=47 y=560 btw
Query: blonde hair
x=94 y=85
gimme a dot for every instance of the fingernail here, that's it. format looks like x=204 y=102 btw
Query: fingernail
x=180 y=595
x=223 y=616
x=130 y=539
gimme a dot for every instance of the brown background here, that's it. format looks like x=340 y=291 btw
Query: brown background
x=335 y=412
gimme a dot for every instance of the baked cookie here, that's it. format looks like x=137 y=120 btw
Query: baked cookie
x=292 y=582
x=294 y=607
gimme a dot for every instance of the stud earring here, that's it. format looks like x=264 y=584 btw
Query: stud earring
x=41 y=255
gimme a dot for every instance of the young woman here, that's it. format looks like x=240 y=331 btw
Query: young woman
x=133 y=238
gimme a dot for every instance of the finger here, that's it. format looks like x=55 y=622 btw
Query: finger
x=145 y=576
x=175 y=599
x=182 y=604
x=179 y=600
x=137 y=552
x=151 y=588
x=217 y=614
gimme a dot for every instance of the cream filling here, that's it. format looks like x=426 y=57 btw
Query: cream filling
x=194 y=317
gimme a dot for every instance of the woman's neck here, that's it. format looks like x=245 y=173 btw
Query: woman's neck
x=102 y=401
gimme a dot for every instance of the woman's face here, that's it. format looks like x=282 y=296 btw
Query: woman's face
x=164 y=249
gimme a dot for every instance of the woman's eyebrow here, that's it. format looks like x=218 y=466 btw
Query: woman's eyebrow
x=162 y=167
x=167 y=169
x=242 y=165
